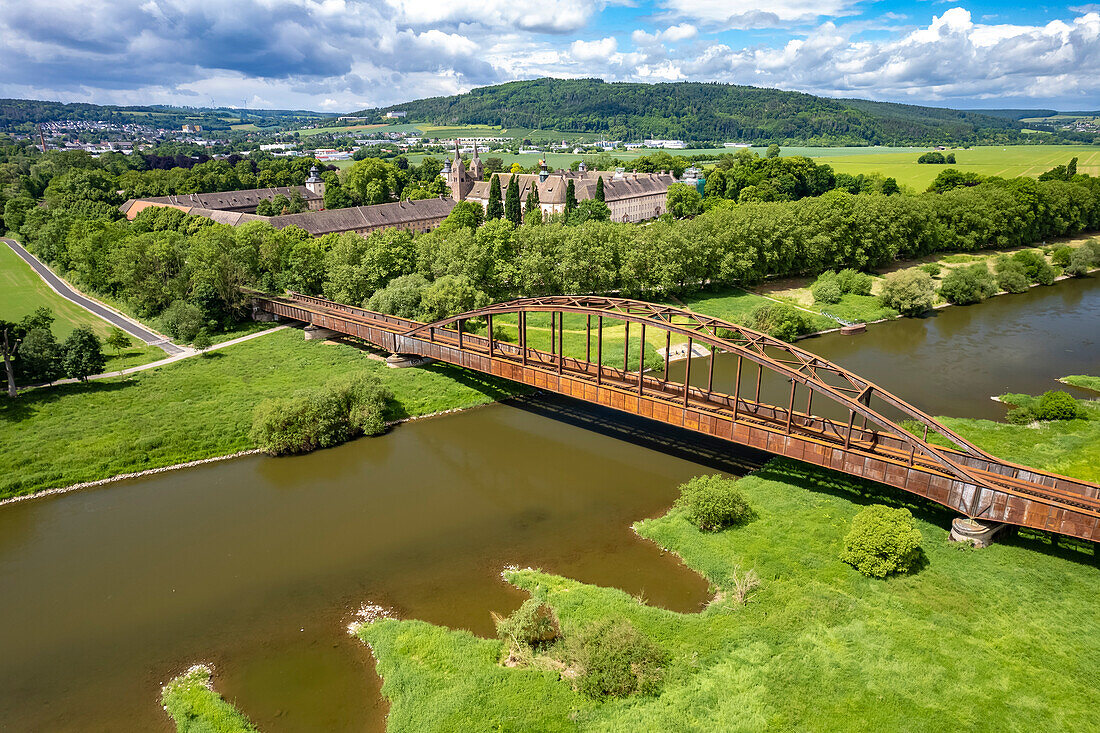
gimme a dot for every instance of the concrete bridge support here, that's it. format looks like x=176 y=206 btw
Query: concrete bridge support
x=317 y=333
x=976 y=531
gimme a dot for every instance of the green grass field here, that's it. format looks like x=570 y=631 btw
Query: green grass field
x=1007 y=162
x=1004 y=638
x=22 y=291
x=195 y=408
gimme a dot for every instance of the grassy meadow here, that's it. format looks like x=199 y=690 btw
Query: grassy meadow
x=1003 y=638
x=196 y=408
x=22 y=291
x=1007 y=162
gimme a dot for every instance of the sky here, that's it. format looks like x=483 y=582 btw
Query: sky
x=346 y=55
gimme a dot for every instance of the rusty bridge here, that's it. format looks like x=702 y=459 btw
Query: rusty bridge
x=827 y=415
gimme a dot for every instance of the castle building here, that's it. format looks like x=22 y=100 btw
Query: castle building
x=631 y=197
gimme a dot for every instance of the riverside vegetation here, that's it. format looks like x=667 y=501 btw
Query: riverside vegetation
x=813 y=644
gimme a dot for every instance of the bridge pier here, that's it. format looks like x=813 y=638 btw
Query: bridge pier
x=401 y=361
x=262 y=316
x=317 y=333
x=976 y=531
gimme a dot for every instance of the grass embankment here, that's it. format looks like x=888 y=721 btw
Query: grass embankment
x=193 y=705
x=1068 y=447
x=1085 y=382
x=196 y=408
x=22 y=291
x=867 y=308
x=996 y=639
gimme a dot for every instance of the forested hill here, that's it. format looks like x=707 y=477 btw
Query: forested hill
x=24 y=114
x=696 y=111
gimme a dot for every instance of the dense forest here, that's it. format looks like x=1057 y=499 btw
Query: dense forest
x=21 y=115
x=694 y=111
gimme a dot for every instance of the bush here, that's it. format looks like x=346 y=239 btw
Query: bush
x=1036 y=266
x=182 y=320
x=320 y=418
x=932 y=268
x=533 y=624
x=203 y=341
x=1080 y=262
x=1060 y=256
x=82 y=354
x=966 y=285
x=1021 y=416
x=713 y=502
x=1011 y=275
x=854 y=282
x=779 y=320
x=614 y=659
x=933 y=157
x=826 y=290
x=882 y=541
x=909 y=292
x=1057 y=405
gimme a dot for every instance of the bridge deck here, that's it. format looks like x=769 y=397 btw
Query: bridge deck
x=968 y=481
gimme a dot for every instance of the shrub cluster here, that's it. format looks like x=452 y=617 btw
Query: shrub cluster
x=965 y=285
x=532 y=625
x=713 y=503
x=779 y=320
x=831 y=286
x=614 y=659
x=882 y=541
x=1083 y=259
x=321 y=418
x=909 y=292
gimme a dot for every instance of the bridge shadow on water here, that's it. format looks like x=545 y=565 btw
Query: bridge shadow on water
x=739 y=460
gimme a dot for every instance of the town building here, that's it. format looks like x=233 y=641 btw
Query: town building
x=395 y=114
x=631 y=197
x=239 y=207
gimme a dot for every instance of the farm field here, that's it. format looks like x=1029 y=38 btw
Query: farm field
x=22 y=291
x=1008 y=162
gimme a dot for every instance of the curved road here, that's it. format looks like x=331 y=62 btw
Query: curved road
x=63 y=289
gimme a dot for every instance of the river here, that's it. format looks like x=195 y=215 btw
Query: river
x=257 y=564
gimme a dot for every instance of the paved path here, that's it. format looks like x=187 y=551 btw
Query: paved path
x=113 y=317
x=185 y=353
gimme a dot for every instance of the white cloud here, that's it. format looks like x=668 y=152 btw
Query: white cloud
x=757 y=13
x=549 y=16
x=593 y=50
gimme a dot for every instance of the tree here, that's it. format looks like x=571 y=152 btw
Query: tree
x=202 y=341
x=13 y=335
x=117 y=340
x=683 y=201
x=495 y=208
x=1011 y=275
x=909 y=292
x=949 y=159
x=599 y=189
x=773 y=151
x=83 y=354
x=39 y=357
x=532 y=204
x=935 y=158
x=512 y=210
x=465 y=214
x=966 y=285
x=570 y=198
x=516 y=168
x=590 y=210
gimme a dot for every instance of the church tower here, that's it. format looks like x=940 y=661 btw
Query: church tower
x=314 y=184
x=476 y=169
x=458 y=179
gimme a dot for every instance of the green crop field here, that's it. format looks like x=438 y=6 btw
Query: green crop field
x=1007 y=162
x=22 y=291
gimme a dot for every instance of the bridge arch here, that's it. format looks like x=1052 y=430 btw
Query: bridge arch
x=847 y=389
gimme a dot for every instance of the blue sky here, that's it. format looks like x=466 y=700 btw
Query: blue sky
x=342 y=55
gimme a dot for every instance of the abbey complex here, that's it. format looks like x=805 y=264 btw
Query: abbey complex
x=631 y=197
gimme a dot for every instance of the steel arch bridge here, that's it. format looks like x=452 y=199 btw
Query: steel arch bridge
x=964 y=477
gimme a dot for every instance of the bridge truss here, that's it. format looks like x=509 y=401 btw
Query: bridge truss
x=879 y=447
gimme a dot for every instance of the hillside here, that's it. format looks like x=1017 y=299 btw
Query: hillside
x=23 y=114
x=705 y=112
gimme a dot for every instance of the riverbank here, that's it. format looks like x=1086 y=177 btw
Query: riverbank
x=196 y=409
x=194 y=706
x=816 y=647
